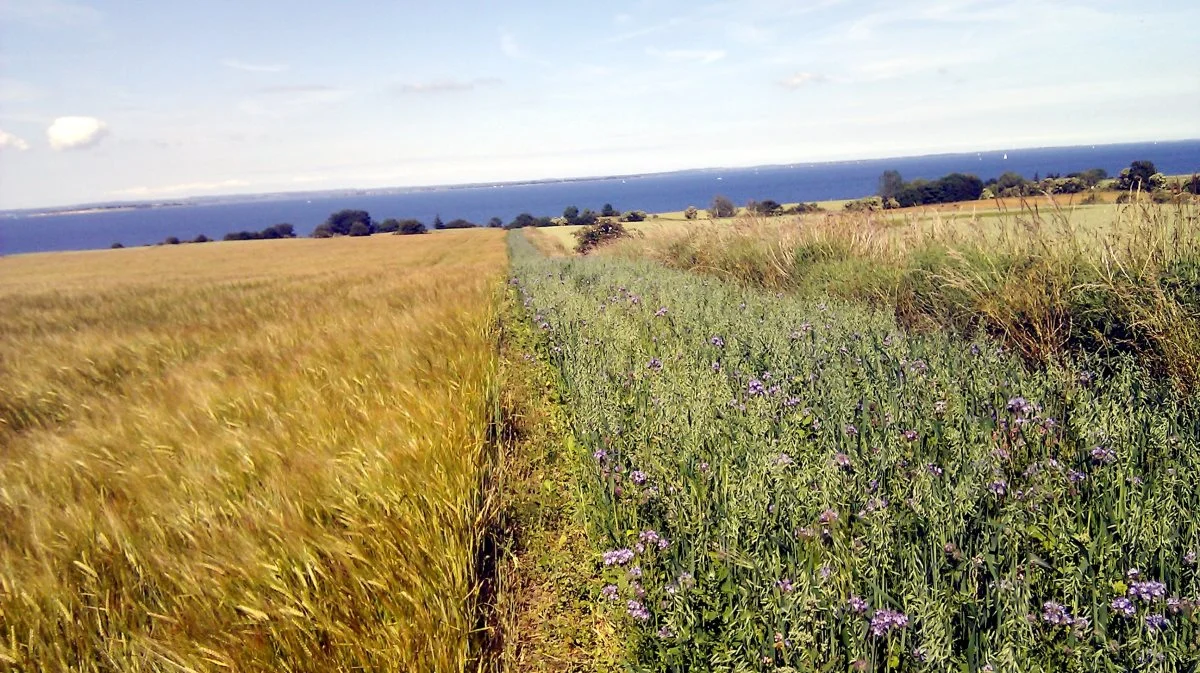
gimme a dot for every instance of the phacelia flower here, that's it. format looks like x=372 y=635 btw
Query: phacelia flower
x=1103 y=455
x=600 y=455
x=666 y=633
x=998 y=487
x=1123 y=606
x=755 y=388
x=638 y=477
x=609 y=592
x=662 y=311
x=717 y=341
x=783 y=460
x=785 y=585
x=842 y=461
x=637 y=611
x=910 y=435
x=686 y=581
x=1156 y=622
x=850 y=430
x=655 y=364
x=884 y=621
x=1148 y=591
x=1021 y=407
x=1075 y=476
x=828 y=516
x=857 y=605
x=934 y=470
x=618 y=557
x=651 y=537
x=1056 y=614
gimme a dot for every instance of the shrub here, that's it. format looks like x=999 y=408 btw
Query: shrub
x=634 y=216
x=339 y=223
x=118 y=245
x=172 y=240
x=722 y=207
x=388 y=226
x=360 y=229
x=409 y=227
x=870 y=203
x=766 y=208
x=201 y=239
x=459 y=223
x=598 y=234
x=691 y=213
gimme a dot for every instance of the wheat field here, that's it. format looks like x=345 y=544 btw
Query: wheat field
x=251 y=456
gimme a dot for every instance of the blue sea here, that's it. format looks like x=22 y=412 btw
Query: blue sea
x=23 y=232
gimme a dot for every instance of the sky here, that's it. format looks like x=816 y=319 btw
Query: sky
x=131 y=100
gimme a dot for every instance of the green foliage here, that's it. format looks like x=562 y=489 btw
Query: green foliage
x=609 y=211
x=360 y=229
x=388 y=226
x=634 y=216
x=600 y=233
x=171 y=240
x=459 y=223
x=201 y=239
x=890 y=183
x=274 y=231
x=868 y=204
x=437 y=222
x=495 y=223
x=409 y=227
x=527 y=220
x=340 y=223
x=949 y=189
x=767 y=208
x=721 y=206
x=796 y=456
x=691 y=213
x=117 y=245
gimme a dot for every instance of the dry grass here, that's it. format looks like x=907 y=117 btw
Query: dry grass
x=256 y=456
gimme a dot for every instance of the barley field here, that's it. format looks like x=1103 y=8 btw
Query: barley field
x=254 y=456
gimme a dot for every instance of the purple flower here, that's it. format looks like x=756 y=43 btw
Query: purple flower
x=716 y=366
x=755 y=387
x=638 y=611
x=1190 y=557
x=884 y=621
x=666 y=633
x=910 y=435
x=652 y=537
x=1148 y=591
x=1101 y=455
x=785 y=585
x=654 y=364
x=850 y=430
x=998 y=487
x=609 y=592
x=934 y=470
x=842 y=461
x=1075 y=476
x=783 y=460
x=828 y=516
x=638 y=477
x=1056 y=614
x=1123 y=606
x=686 y=581
x=635 y=572
x=717 y=341
x=791 y=402
x=618 y=557
x=1021 y=407
x=600 y=455
x=704 y=467
x=825 y=571
x=660 y=312
x=857 y=605
x=1156 y=622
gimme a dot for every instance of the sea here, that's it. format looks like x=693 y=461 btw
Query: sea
x=26 y=231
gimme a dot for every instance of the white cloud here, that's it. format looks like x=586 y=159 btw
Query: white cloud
x=510 y=46
x=10 y=142
x=253 y=67
x=687 y=55
x=447 y=85
x=186 y=188
x=801 y=79
x=68 y=133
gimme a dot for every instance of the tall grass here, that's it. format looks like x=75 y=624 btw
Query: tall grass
x=263 y=456
x=1048 y=280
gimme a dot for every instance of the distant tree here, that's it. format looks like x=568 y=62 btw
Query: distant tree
x=1091 y=177
x=172 y=240
x=959 y=187
x=339 y=223
x=1009 y=180
x=722 y=207
x=283 y=230
x=201 y=239
x=495 y=223
x=608 y=211
x=691 y=213
x=459 y=224
x=634 y=216
x=523 y=220
x=407 y=227
x=437 y=222
x=570 y=214
x=598 y=234
x=389 y=226
x=322 y=231
x=767 y=208
x=360 y=229
x=889 y=184
x=118 y=245
x=1192 y=185
x=587 y=218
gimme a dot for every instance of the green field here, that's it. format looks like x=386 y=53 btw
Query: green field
x=919 y=440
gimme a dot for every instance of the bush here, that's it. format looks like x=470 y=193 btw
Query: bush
x=598 y=234
x=495 y=223
x=118 y=245
x=805 y=208
x=172 y=240
x=360 y=229
x=722 y=207
x=201 y=239
x=388 y=226
x=609 y=211
x=340 y=223
x=409 y=227
x=767 y=208
x=634 y=216
x=691 y=213
x=870 y=203
x=459 y=223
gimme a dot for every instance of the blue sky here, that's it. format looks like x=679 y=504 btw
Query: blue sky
x=119 y=100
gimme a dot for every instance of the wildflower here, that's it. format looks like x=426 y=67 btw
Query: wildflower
x=660 y=312
x=609 y=592
x=1075 y=476
x=1174 y=605
x=1102 y=455
x=1148 y=591
x=1056 y=614
x=785 y=585
x=857 y=605
x=717 y=341
x=665 y=632
x=638 y=611
x=850 y=430
x=918 y=366
x=910 y=435
x=998 y=487
x=654 y=364
x=704 y=467
x=618 y=557
x=825 y=571
x=755 y=387
x=1133 y=573
x=1123 y=606
x=1021 y=407
x=635 y=572
x=653 y=538
x=918 y=655
x=939 y=406
x=544 y=326
x=934 y=470
x=716 y=366
x=1156 y=622
x=638 y=477
x=600 y=455
x=792 y=402
x=842 y=461
x=686 y=581
x=887 y=620
x=1190 y=557
x=828 y=516
x=783 y=460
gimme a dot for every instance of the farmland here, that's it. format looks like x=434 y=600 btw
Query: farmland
x=262 y=456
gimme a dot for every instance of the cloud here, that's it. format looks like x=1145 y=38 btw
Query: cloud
x=447 y=85
x=279 y=101
x=687 y=55
x=10 y=142
x=16 y=91
x=189 y=187
x=49 y=13
x=254 y=67
x=510 y=46
x=801 y=79
x=70 y=133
